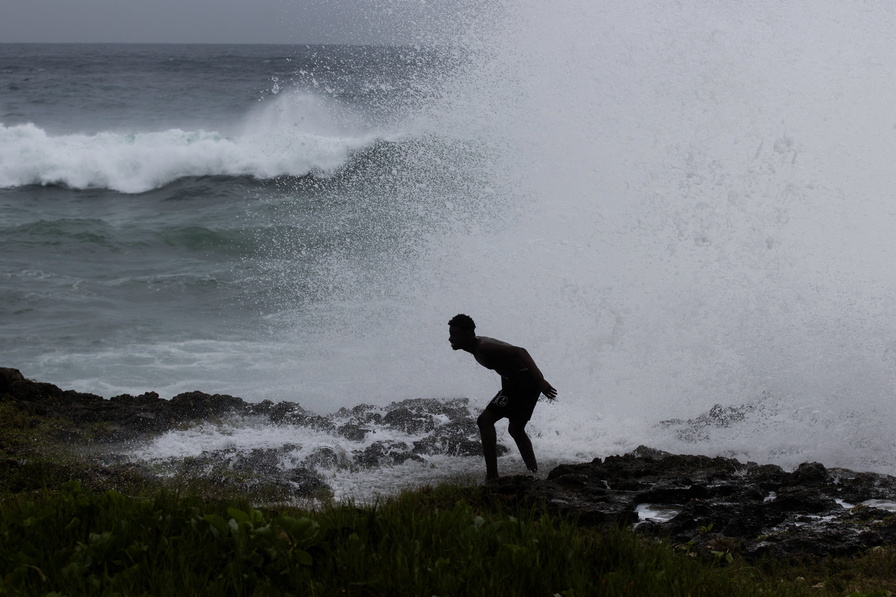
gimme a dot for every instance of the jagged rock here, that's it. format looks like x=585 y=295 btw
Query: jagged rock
x=362 y=413
x=385 y=452
x=707 y=502
x=286 y=412
x=443 y=427
x=694 y=430
x=127 y=416
x=260 y=461
x=290 y=413
x=262 y=408
x=761 y=509
x=455 y=438
x=352 y=431
x=197 y=405
x=408 y=421
x=306 y=481
x=257 y=471
x=327 y=458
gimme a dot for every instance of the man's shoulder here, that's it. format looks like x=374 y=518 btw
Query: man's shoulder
x=486 y=342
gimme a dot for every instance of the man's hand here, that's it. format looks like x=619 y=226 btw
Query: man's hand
x=548 y=390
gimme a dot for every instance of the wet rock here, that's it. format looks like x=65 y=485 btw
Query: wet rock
x=433 y=427
x=455 y=438
x=262 y=408
x=353 y=432
x=698 y=502
x=327 y=458
x=125 y=416
x=699 y=428
x=271 y=466
x=269 y=473
x=761 y=509
x=198 y=405
x=285 y=412
x=383 y=453
x=262 y=461
x=582 y=497
x=291 y=413
x=306 y=482
x=808 y=474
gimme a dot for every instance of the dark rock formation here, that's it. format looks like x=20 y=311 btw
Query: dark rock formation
x=719 y=504
x=432 y=426
x=384 y=453
x=257 y=471
x=126 y=417
x=702 y=504
x=440 y=426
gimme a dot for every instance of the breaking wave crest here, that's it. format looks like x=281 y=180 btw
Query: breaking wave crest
x=295 y=135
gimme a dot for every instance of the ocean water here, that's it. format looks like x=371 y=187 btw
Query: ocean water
x=671 y=207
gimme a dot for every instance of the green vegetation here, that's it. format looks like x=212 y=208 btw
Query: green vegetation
x=71 y=527
x=435 y=541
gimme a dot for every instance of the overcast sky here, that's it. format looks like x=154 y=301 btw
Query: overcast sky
x=230 y=21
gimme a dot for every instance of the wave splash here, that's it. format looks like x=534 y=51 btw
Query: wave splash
x=293 y=135
x=683 y=226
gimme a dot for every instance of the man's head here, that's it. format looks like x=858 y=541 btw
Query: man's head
x=462 y=332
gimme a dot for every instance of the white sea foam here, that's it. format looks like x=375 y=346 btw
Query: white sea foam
x=293 y=134
x=346 y=479
x=691 y=207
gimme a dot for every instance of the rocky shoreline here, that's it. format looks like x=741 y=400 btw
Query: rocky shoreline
x=720 y=505
x=702 y=504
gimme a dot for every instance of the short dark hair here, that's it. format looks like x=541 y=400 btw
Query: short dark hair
x=462 y=321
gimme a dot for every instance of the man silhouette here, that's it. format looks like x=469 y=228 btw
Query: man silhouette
x=521 y=384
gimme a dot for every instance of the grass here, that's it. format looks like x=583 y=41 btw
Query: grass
x=446 y=540
x=68 y=527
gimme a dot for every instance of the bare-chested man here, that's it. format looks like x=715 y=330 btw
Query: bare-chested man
x=521 y=384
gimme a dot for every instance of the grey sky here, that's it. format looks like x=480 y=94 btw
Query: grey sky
x=233 y=21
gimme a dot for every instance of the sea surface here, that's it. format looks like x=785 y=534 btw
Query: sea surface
x=685 y=215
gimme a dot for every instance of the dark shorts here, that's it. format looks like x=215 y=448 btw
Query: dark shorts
x=517 y=397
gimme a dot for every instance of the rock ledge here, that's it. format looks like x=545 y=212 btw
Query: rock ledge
x=720 y=504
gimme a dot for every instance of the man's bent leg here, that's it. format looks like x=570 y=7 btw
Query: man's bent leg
x=517 y=431
x=486 y=422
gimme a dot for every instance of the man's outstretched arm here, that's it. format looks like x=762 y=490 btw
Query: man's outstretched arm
x=509 y=351
x=546 y=388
